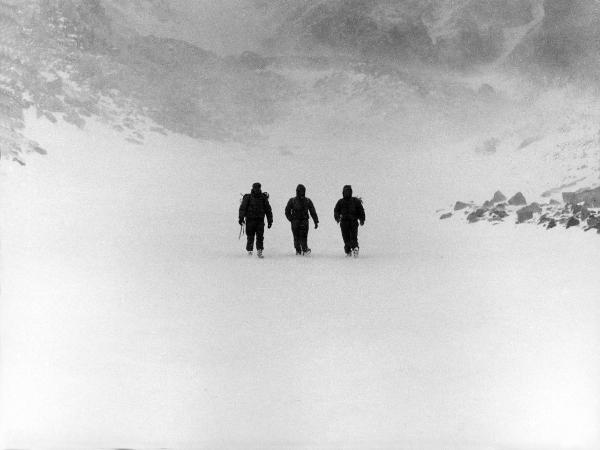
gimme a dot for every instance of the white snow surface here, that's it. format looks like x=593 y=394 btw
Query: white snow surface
x=132 y=318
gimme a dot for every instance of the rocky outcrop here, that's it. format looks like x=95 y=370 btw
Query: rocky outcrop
x=567 y=38
x=588 y=197
x=14 y=146
x=517 y=199
x=573 y=213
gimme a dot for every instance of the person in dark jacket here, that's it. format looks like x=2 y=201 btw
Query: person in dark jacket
x=349 y=212
x=297 y=210
x=255 y=206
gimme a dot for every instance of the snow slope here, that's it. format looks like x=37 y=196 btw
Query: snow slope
x=131 y=317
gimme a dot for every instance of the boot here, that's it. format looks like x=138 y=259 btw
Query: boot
x=259 y=253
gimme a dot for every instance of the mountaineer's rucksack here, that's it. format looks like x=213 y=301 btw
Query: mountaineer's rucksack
x=254 y=207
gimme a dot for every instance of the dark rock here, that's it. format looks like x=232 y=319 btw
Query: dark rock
x=517 y=199
x=74 y=119
x=51 y=117
x=460 y=205
x=523 y=215
x=487 y=204
x=527 y=212
x=476 y=215
x=445 y=216
x=551 y=224
x=500 y=213
x=585 y=213
x=572 y=222
x=589 y=197
x=528 y=141
x=554 y=202
x=498 y=197
x=593 y=222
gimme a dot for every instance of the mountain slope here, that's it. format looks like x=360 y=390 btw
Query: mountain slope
x=132 y=317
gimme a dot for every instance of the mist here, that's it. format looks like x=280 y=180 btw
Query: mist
x=132 y=315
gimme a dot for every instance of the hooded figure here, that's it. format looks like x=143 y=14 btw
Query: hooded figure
x=297 y=212
x=255 y=206
x=349 y=212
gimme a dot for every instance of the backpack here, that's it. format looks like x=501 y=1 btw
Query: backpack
x=256 y=207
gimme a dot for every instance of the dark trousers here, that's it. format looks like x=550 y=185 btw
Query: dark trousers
x=255 y=227
x=300 y=232
x=349 y=234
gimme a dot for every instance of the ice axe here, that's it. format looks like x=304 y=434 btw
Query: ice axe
x=241 y=231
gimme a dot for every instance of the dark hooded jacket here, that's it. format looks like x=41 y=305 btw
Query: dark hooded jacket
x=349 y=208
x=255 y=205
x=299 y=207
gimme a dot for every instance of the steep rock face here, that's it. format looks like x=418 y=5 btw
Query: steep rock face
x=362 y=26
x=458 y=33
x=566 y=40
x=476 y=31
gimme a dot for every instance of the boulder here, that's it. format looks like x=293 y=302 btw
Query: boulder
x=499 y=213
x=544 y=219
x=445 y=216
x=460 y=205
x=584 y=214
x=523 y=215
x=488 y=204
x=498 y=197
x=551 y=224
x=572 y=222
x=593 y=222
x=476 y=215
x=527 y=212
x=589 y=197
x=517 y=199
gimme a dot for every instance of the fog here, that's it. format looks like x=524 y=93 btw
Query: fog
x=132 y=316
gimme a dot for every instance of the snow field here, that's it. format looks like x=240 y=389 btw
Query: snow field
x=131 y=315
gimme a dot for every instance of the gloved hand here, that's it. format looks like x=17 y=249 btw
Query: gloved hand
x=316 y=225
x=362 y=222
x=337 y=220
x=269 y=224
x=241 y=221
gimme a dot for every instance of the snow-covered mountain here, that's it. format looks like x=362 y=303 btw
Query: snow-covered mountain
x=523 y=34
x=457 y=33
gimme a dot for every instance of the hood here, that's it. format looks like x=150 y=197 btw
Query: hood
x=347 y=191
x=256 y=189
x=300 y=190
